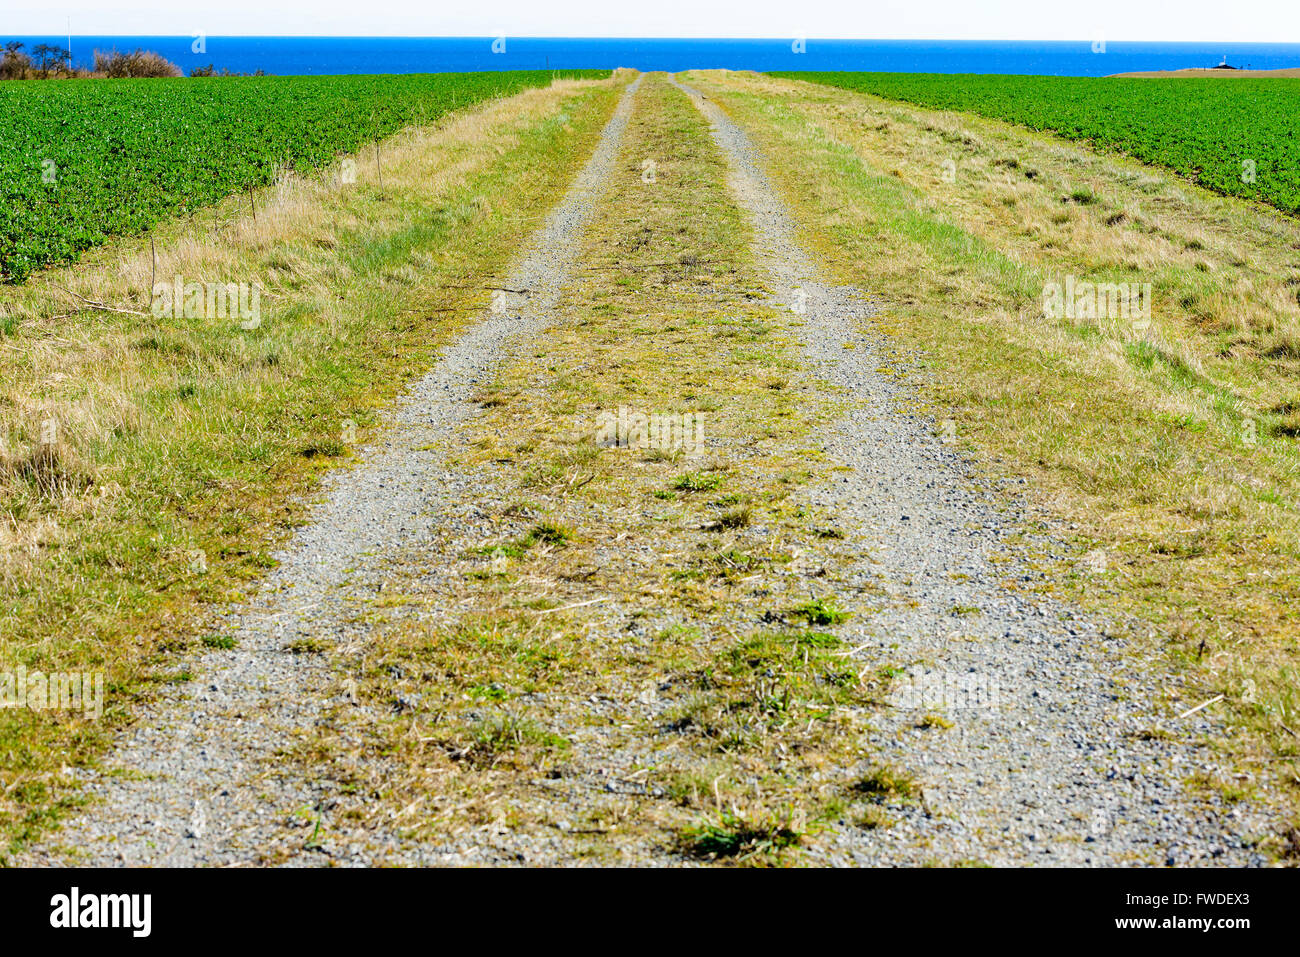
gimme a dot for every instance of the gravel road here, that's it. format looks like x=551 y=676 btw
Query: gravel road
x=196 y=781
x=1048 y=743
x=1051 y=759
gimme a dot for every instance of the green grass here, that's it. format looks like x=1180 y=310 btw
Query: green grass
x=543 y=533
x=734 y=836
x=491 y=738
x=698 y=482
x=820 y=611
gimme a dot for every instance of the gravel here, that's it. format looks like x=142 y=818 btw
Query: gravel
x=1049 y=759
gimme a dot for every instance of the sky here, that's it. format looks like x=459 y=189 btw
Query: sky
x=1276 y=21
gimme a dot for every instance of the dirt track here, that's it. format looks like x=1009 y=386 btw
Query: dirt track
x=1043 y=756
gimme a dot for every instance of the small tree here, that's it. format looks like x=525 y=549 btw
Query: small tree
x=15 y=64
x=58 y=59
x=45 y=54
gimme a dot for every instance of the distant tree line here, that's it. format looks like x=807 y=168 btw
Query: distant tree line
x=209 y=70
x=46 y=61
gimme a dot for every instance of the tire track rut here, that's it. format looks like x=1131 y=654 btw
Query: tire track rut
x=196 y=781
x=1061 y=753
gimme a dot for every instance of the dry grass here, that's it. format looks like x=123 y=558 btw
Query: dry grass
x=1170 y=449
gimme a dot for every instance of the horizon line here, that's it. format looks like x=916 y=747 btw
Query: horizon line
x=679 y=39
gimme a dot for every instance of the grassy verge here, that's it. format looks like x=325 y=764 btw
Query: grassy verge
x=73 y=178
x=1168 y=446
x=628 y=656
x=1234 y=138
x=149 y=464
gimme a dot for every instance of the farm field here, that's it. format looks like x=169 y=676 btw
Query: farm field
x=83 y=161
x=1241 y=139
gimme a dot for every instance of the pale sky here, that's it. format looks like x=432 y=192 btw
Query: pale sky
x=1200 y=20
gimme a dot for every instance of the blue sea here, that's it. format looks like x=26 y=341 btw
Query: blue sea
x=330 y=55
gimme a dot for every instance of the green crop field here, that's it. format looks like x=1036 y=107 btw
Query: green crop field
x=1235 y=136
x=81 y=161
